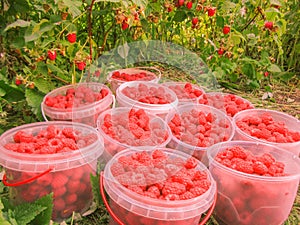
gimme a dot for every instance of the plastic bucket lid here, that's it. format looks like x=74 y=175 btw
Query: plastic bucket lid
x=124 y=100
x=56 y=162
x=77 y=112
x=264 y=199
x=194 y=149
x=291 y=123
x=155 y=208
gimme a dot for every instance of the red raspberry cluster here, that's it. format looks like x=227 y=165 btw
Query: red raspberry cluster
x=242 y=160
x=76 y=97
x=265 y=127
x=123 y=76
x=198 y=128
x=186 y=91
x=50 y=141
x=149 y=95
x=133 y=128
x=71 y=189
x=231 y=103
x=158 y=175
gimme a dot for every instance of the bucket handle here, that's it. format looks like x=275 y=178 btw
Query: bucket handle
x=113 y=215
x=4 y=180
x=43 y=113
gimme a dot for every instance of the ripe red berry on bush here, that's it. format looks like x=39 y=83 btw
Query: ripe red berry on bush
x=125 y=25
x=180 y=2
x=189 y=5
x=81 y=65
x=220 y=51
x=72 y=37
x=52 y=54
x=226 y=29
x=18 y=82
x=269 y=25
x=211 y=11
x=195 y=21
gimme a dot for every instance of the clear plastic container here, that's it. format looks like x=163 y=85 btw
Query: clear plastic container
x=185 y=95
x=188 y=143
x=158 y=109
x=152 y=74
x=159 y=132
x=291 y=123
x=228 y=103
x=135 y=209
x=86 y=113
x=249 y=199
x=66 y=174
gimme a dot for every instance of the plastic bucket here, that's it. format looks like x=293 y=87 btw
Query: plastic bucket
x=249 y=199
x=185 y=91
x=268 y=129
x=192 y=135
x=118 y=133
x=150 y=74
x=130 y=94
x=84 y=105
x=128 y=206
x=228 y=103
x=66 y=174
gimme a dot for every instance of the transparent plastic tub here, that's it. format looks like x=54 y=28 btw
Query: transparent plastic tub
x=86 y=112
x=248 y=199
x=30 y=176
x=132 y=208
x=151 y=74
x=228 y=103
x=149 y=90
x=289 y=123
x=185 y=94
x=190 y=139
x=158 y=132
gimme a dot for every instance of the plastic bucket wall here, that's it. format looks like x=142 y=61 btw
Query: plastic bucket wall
x=138 y=209
x=192 y=149
x=158 y=109
x=86 y=114
x=252 y=199
x=291 y=123
x=113 y=145
x=153 y=75
x=66 y=174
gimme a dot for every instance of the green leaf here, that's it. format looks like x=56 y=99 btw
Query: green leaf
x=26 y=212
x=17 y=23
x=34 y=100
x=73 y=7
x=43 y=85
x=96 y=189
x=4 y=74
x=13 y=94
x=44 y=217
x=248 y=70
x=54 y=68
x=274 y=68
x=3 y=221
x=220 y=21
x=141 y=3
x=179 y=16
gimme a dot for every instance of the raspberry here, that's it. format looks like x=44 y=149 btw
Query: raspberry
x=117 y=169
x=245 y=166
x=260 y=168
x=69 y=143
x=197 y=191
x=59 y=180
x=172 y=197
x=56 y=144
x=173 y=188
x=266 y=159
x=155 y=190
x=186 y=195
x=46 y=150
x=26 y=147
x=12 y=146
x=191 y=163
x=158 y=154
x=239 y=152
